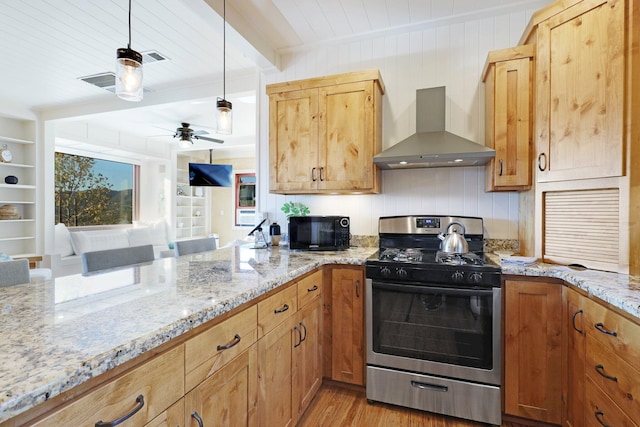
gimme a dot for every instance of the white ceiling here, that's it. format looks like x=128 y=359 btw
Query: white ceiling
x=47 y=44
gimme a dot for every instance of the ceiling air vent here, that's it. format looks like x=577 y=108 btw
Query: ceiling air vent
x=151 y=56
x=102 y=80
x=106 y=81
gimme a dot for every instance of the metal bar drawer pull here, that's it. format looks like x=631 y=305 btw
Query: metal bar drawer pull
x=139 y=405
x=426 y=386
x=236 y=341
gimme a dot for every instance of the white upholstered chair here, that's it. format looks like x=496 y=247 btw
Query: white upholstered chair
x=192 y=246
x=14 y=272
x=112 y=258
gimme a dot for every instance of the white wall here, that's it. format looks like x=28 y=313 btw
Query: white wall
x=451 y=54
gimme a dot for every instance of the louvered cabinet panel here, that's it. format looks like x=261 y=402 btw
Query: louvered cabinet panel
x=582 y=226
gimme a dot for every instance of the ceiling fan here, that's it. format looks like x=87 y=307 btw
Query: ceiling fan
x=187 y=135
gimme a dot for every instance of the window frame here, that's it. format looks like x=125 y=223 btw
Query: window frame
x=135 y=195
x=236 y=195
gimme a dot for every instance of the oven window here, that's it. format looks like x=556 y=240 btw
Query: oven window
x=438 y=326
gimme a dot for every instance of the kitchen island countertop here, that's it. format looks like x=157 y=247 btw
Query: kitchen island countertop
x=60 y=333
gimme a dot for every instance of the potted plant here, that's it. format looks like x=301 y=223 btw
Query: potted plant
x=295 y=209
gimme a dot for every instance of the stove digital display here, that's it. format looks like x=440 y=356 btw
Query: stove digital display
x=427 y=222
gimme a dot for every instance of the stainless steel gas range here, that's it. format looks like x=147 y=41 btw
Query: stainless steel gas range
x=433 y=319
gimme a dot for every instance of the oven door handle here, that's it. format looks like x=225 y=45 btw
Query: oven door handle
x=431 y=289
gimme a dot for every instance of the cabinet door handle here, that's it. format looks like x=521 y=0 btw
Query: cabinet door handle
x=540 y=157
x=139 y=405
x=357 y=288
x=197 y=417
x=313 y=174
x=573 y=321
x=601 y=328
x=600 y=369
x=305 y=332
x=236 y=341
x=500 y=173
x=322 y=173
x=281 y=310
x=295 y=328
x=313 y=288
x=599 y=414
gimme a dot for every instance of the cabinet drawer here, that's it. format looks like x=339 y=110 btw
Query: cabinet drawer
x=276 y=308
x=614 y=376
x=156 y=381
x=172 y=417
x=214 y=348
x=600 y=410
x=309 y=289
x=619 y=335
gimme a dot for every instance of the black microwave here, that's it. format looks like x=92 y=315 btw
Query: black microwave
x=319 y=233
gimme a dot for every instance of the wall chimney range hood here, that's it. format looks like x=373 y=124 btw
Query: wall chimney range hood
x=431 y=146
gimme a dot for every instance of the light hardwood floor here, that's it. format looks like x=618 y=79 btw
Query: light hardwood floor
x=337 y=406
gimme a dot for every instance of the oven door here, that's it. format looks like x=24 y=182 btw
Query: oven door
x=436 y=330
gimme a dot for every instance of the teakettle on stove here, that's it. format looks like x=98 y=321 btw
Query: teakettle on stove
x=452 y=241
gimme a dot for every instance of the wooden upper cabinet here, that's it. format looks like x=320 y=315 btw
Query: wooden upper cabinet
x=580 y=92
x=293 y=140
x=508 y=117
x=324 y=132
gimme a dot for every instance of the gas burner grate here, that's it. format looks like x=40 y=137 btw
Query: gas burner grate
x=401 y=255
x=468 y=258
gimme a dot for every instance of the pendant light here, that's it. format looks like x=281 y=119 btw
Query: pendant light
x=129 y=71
x=224 y=119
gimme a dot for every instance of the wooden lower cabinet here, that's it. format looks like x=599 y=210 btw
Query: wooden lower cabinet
x=228 y=397
x=155 y=380
x=573 y=390
x=533 y=350
x=344 y=306
x=275 y=381
x=290 y=365
x=307 y=358
x=172 y=417
x=612 y=377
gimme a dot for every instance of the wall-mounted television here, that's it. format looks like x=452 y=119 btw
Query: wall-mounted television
x=209 y=175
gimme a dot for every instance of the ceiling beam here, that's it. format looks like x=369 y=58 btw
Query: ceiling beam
x=251 y=43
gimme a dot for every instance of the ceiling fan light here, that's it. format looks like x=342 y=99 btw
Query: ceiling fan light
x=185 y=141
x=129 y=74
x=224 y=117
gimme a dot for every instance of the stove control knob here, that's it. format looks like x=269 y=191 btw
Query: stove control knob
x=401 y=272
x=457 y=277
x=475 y=277
x=385 y=271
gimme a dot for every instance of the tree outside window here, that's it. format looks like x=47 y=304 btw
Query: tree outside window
x=91 y=191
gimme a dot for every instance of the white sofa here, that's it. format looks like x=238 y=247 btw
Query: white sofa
x=69 y=245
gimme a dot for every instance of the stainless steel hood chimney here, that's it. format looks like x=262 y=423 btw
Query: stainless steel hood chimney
x=431 y=146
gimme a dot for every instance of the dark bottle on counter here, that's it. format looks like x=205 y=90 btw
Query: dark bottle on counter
x=274 y=232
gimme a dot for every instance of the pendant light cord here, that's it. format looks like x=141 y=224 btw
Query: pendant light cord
x=224 y=47
x=129 y=45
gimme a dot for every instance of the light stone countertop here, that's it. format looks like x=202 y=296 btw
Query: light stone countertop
x=60 y=333
x=619 y=290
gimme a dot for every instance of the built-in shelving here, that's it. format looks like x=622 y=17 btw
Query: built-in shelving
x=18 y=236
x=191 y=205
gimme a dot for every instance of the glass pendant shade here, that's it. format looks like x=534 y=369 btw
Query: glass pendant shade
x=224 y=117
x=129 y=75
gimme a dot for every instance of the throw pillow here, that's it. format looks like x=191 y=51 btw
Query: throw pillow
x=63 y=245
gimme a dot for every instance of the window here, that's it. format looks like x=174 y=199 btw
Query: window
x=93 y=191
x=245 y=198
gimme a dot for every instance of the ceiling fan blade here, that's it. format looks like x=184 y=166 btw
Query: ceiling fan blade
x=204 y=138
x=201 y=132
x=168 y=130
